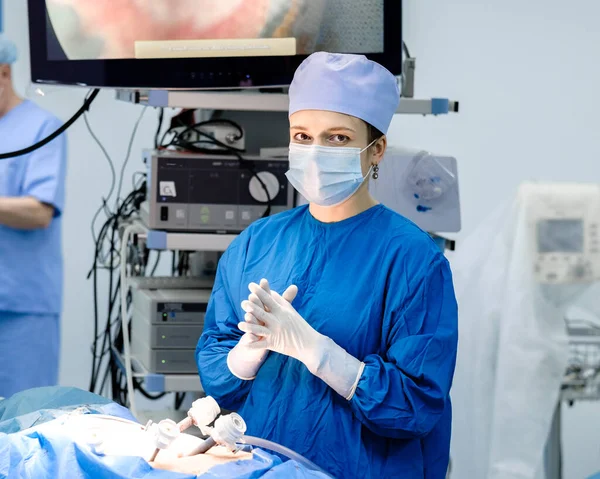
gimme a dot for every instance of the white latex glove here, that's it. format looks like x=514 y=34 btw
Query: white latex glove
x=245 y=359
x=289 y=295
x=286 y=332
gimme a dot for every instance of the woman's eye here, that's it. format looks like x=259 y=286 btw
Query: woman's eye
x=338 y=139
x=301 y=137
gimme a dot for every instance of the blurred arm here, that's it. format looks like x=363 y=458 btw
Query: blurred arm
x=42 y=195
x=26 y=213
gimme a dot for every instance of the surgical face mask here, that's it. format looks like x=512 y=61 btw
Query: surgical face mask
x=325 y=175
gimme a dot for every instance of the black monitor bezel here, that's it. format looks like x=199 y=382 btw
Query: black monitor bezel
x=187 y=74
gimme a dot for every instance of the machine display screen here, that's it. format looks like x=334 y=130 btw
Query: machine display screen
x=560 y=236
x=176 y=29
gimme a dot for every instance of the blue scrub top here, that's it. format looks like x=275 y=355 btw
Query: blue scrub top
x=380 y=288
x=31 y=271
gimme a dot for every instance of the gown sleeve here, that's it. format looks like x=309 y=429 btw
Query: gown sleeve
x=46 y=170
x=219 y=337
x=402 y=393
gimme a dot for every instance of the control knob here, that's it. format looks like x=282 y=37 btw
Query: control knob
x=257 y=191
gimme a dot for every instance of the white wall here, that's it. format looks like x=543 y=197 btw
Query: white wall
x=526 y=74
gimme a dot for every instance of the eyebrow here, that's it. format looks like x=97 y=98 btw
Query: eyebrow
x=333 y=129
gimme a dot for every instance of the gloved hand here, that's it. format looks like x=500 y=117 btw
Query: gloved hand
x=289 y=295
x=286 y=332
x=245 y=359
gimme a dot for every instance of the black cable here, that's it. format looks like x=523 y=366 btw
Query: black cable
x=104 y=349
x=95 y=344
x=118 y=391
x=153 y=397
x=95 y=285
x=179 y=398
x=124 y=211
x=161 y=116
x=133 y=180
x=128 y=155
x=107 y=339
x=114 y=390
x=104 y=379
x=156 y=262
x=110 y=299
x=85 y=107
x=181 y=263
x=110 y=164
x=405 y=48
x=195 y=126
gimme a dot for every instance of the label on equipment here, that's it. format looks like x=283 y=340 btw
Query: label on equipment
x=167 y=188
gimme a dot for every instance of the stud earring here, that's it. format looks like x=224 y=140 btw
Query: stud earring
x=375 y=172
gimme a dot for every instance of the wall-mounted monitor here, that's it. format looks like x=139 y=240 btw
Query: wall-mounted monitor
x=203 y=44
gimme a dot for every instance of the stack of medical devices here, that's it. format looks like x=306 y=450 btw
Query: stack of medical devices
x=166 y=321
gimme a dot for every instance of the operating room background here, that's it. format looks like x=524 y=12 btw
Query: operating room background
x=526 y=75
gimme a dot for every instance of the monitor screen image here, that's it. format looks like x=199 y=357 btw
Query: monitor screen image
x=203 y=44
x=561 y=236
x=142 y=29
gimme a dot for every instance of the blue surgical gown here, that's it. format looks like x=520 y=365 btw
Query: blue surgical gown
x=380 y=288
x=31 y=260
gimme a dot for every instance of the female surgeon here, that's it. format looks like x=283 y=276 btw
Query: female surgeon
x=352 y=365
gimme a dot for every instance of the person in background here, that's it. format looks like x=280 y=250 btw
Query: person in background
x=32 y=195
x=352 y=365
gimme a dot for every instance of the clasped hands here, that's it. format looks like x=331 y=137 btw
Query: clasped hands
x=272 y=324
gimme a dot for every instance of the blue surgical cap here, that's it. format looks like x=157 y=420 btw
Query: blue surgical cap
x=8 y=51
x=349 y=84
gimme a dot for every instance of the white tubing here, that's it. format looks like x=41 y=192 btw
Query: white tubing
x=185 y=424
x=124 y=290
x=203 y=447
x=284 y=451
